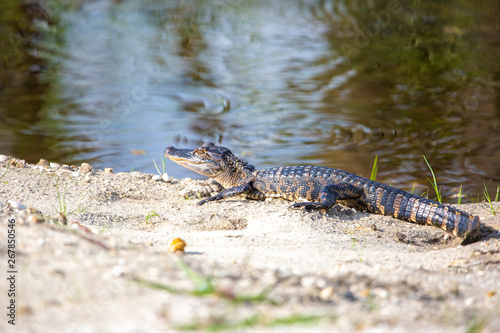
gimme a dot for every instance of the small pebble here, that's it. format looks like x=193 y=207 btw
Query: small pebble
x=156 y=178
x=66 y=168
x=177 y=245
x=54 y=165
x=165 y=177
x=365 y=292
x=307 y=281
x=326 y=293
x=16 y=205
x=85 y=168
x=3 y=158
x=33 y=218
x=43 y=163
x=108 y=170
x=117 y=271
x=75 y=174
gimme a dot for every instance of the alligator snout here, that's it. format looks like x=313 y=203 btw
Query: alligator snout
x=169 y=150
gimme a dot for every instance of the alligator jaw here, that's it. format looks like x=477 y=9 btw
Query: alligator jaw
x=182 y=155
x=188 y=159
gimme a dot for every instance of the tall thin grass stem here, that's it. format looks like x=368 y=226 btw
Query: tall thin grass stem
x=434 y=182
x=373 y=176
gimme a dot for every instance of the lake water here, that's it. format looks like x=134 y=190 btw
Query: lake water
x=331 y=83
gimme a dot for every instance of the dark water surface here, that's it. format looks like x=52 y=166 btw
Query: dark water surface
x=283 y=82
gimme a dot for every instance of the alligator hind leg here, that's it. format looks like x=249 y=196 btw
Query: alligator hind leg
x=241 y=189
x=330 y=194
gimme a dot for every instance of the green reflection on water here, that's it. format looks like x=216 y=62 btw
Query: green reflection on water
x=28 y=32
x=428 y=70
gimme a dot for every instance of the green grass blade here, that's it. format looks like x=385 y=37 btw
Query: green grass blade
x=373 y=175
x=158 y=286
x=224 y=324
x=164 y=168
x=6 y=169
x=150 y=215
x=487 y=196
x=295 y=319
x=460 y=195
x=434 y=182
x=61 y=198
x=203 y=284
x=156 y=166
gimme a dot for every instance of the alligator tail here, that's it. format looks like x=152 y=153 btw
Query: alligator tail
x=402 y=205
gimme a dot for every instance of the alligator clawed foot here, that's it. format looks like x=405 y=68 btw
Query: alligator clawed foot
x=204 y=201
x=304 y=205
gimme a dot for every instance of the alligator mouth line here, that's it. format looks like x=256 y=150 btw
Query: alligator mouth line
x=181 y=159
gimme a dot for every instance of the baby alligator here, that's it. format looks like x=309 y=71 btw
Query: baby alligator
x=323 y=187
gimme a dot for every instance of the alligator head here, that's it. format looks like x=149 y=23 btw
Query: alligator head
x=216 y=162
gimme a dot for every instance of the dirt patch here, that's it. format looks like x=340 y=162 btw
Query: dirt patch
x=106 y=267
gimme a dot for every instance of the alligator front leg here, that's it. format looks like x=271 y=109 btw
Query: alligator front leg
x=246 y=188
x=330 y=194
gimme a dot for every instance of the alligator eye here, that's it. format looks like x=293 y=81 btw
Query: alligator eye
x=200 y=152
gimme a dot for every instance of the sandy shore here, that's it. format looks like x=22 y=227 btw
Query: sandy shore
x=248 y=265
